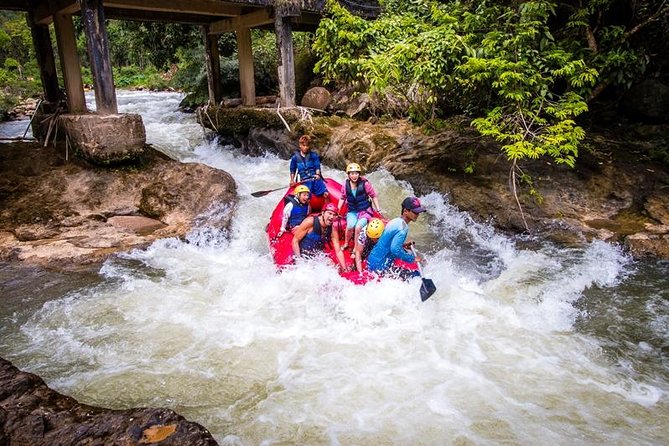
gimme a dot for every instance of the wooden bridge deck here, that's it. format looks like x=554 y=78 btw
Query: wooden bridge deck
x=213 y=16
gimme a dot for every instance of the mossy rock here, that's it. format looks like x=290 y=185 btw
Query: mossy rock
x=239 y=121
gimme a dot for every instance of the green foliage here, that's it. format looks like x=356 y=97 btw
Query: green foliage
x=133 y=77
x=499 y=64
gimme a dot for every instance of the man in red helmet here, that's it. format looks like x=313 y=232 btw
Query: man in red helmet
x=314 y=232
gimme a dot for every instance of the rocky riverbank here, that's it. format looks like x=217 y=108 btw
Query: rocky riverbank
x=64 y=213
x=58 y=211
x=616 y=192
x=31 y=414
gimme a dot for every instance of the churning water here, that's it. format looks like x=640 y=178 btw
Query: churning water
x=524 y=342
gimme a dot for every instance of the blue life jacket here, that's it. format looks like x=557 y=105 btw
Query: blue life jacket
x=306 y=166
x=359 y=201
x=315 y=240
x=298 y=213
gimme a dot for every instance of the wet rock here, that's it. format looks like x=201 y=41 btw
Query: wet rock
x=73 y=215
x=605 y=197
x=644 y=244
x=259 y=139
x=32 y=414
x=657 y=207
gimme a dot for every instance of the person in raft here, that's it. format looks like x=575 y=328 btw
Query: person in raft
x=314 y=232
x=306 y=164
x=361 y=198
x=295 y=210
x=392 y=243
x=367 y=240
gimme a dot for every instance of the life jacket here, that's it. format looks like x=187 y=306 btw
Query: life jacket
x=315 y=240
x=306 y=165
x=298 y=213
x=359 y=201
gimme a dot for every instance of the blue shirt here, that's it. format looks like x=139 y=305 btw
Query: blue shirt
x=389 y=247
x=306 y=166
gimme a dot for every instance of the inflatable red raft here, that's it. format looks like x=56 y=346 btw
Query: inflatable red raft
x=281 y=247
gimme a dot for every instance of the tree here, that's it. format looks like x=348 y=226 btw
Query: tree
x=523 y=71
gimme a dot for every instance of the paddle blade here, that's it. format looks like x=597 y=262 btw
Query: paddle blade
x=262 y=193
x=427 y=289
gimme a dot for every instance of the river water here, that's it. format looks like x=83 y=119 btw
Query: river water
x=524 y=342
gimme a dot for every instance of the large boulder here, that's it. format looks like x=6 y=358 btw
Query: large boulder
x=105 y=139
x=32 y=414
x=71 y=215
x=317 y=98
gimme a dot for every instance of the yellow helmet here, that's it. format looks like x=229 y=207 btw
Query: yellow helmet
x=375 y=228
x=353 y=167
x=299 y=189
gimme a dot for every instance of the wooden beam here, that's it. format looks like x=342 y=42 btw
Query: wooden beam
x=155 y=16
x=247 y=86
x=284 y=42
x=213 y=66
x=204 y=7
x=250 y=20
x=45 y=60
x=46 y=10
x=69 y=61
x=93 y=16
x=13 y=5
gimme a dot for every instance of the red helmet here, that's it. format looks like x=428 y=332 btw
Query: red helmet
x=331 y=207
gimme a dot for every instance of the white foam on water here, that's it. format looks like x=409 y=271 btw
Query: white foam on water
x=209 y=327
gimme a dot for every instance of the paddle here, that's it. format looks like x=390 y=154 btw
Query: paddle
x=427 y=288
x=262 y=193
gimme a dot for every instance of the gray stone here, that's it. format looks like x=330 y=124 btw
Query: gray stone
x=316 y=97
x=105 y=139
x=33 y=414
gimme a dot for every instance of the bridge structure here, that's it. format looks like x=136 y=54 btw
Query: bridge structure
x=214 y=17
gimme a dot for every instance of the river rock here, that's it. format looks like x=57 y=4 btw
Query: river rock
x=316 y=97
x=606 y=196
x=68 y=214
x=32 y=414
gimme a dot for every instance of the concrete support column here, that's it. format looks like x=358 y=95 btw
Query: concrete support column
x=69 y=61
x=247 y=84
x=284 y=41
x=45 y=60
x=213 y=65
x=97 y=41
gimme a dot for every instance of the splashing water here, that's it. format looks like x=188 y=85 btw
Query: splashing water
x=510 y=348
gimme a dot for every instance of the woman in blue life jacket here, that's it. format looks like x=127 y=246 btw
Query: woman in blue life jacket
x=295 y=210
x=306 y=164
x=311 y=236
x=392 y=243
x=361 y=198
x=367 y=240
